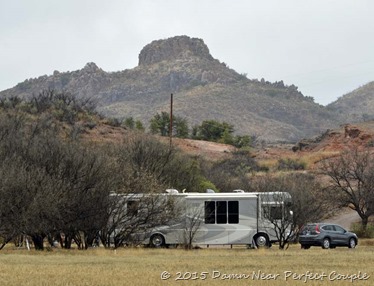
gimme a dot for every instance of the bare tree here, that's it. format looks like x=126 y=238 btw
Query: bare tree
x=147 y=167
x=88 y=179
x=231 y=173
x=51 y=186
x=194 y=219
x=277 y=210
x=67 y=103
x=143 y=159
x=308 y=203
x=351 y=181
x=133 y=216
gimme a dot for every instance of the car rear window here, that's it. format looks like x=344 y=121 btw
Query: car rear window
x=309 y=229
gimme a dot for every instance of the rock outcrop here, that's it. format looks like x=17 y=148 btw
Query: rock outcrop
x=347 y=136
x=180 y=47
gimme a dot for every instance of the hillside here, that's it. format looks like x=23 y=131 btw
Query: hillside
x=359 y=135
x=357 y=105
x=204 y=89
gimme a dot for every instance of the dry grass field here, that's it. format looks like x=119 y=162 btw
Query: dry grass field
x=208 y=266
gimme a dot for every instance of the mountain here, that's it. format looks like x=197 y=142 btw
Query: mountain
x=204 y=89
x=357 y=105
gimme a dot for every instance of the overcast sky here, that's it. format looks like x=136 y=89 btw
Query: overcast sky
x=325 y=47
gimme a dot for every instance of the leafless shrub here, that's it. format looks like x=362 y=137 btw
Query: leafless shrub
x=351 y=181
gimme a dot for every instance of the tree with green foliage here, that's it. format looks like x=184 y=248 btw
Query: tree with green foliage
x=194 y=132
x=139 y=126
x=160 y=124
x=129 y=122
x=211 y=130
x=243 y=141
x=227 y=137
x=132 y=124
x=180 y=127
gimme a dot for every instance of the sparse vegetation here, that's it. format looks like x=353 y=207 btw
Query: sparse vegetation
x=361 y=232
x=370 y=143
x=291 y=164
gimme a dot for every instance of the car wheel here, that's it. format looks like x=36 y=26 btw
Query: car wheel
x=303 y=246
x=262 y=240
x=326 y=243
x=352 y=243
x=157 y=240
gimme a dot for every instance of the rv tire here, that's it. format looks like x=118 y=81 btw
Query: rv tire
x=261 y=240
x=157 y=240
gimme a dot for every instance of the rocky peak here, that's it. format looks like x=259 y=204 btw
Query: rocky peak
x=91 y=68
x=173 y=48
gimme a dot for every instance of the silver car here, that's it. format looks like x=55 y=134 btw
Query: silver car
x=327 y=235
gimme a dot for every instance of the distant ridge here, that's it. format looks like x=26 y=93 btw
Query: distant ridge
x=357 y=105
x=204 y=89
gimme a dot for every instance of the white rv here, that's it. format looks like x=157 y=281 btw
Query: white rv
x=220 y=218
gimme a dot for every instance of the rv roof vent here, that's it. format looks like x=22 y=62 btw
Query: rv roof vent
x=210 y=191
x=172 y=191
x=238 y=191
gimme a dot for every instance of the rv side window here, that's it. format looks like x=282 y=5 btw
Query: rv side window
x=233 y=212
x=221 y=212
x=210 y=212
x=275 y=212
x=132 y=208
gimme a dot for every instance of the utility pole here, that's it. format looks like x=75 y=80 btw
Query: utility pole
x=171 y=120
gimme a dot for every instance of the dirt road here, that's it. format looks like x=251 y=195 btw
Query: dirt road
x=345 y=218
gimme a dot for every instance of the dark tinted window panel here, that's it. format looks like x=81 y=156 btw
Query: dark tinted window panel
x=233 y=207
x=132 y=208
x=221 y=212
x=276 y=213
x=210 y=211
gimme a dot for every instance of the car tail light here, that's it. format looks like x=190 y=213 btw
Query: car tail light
x=317 y=229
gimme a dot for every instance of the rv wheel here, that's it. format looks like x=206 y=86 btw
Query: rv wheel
x=261 y=240
x=157 y=240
